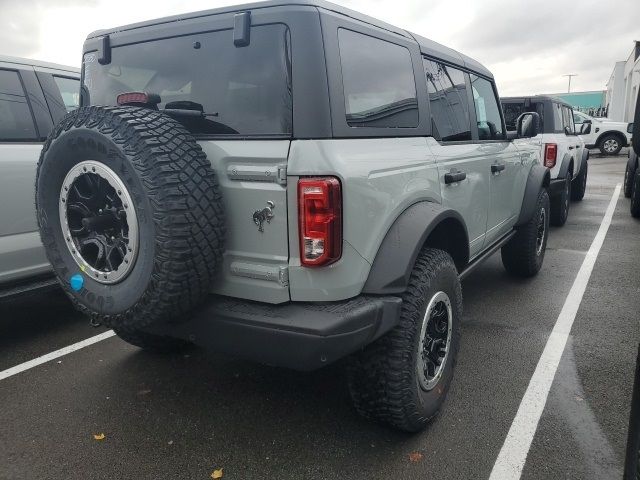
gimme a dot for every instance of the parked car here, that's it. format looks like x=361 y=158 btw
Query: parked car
x=314 y=180
x=561 y=147
x=605 y=134
x=33 y=96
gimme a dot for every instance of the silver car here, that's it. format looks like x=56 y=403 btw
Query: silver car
x=33 y=97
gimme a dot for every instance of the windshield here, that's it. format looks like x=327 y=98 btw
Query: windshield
x=241 y=91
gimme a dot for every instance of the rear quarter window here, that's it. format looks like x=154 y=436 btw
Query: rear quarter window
x=16 y=120
x=378 y=81
x=69 y=90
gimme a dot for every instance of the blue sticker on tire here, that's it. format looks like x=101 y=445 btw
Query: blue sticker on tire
x=76 y=282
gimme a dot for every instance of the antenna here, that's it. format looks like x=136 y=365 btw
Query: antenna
x=570 y=75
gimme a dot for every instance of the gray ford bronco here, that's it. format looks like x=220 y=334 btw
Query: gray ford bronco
x=295 y=183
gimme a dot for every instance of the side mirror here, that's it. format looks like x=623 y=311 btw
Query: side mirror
x=630 y=128
x=528 y=125
x=585 y=129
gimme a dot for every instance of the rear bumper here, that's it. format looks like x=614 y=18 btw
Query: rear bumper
x=297 y=335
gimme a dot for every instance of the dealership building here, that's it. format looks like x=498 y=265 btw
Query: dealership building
x=623 y=86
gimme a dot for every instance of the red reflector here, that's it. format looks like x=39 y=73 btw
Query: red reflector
x=550 y=154
x=319 y=220
x=132 y=97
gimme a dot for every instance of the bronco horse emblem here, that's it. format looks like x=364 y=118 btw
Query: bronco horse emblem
x=266 y=214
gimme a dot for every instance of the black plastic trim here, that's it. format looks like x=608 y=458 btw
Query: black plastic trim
x=473 y=264
x=397 y=254
x=539 y=177
x=298 y=335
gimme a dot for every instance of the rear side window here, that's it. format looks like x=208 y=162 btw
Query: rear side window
x=378 y=80
x=512 y=110
x=448 y=100
x=567 y=120
x=239 y=90
x=69 y=90
x=487 y=109
x=16 y=121
x=558 y=119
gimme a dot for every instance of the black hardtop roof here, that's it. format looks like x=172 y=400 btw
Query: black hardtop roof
x=428 y=47
x=535 y=98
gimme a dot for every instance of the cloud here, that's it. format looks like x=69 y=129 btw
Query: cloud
x=527 y=45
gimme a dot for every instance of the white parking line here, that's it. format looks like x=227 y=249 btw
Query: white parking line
x=53 y=355
x=513 y=454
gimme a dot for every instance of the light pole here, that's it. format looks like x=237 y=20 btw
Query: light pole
x=570 y=75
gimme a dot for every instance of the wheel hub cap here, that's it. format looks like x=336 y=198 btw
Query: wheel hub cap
x=99 y=222
x=610 y=145
x=435 y=340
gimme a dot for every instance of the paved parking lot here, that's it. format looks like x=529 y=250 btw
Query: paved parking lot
x=182 y=416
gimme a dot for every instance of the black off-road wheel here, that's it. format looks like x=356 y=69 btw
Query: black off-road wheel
x=579 y=186
x=560 y=203
x=523 y=255
x=629 y=174
x=402 y=378
x=151 y=342
x=130 y=214
x=635 y=195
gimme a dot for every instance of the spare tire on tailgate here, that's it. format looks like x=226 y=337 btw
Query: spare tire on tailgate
x=130 y=214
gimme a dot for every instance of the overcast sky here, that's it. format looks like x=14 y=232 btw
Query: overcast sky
x=528 y=45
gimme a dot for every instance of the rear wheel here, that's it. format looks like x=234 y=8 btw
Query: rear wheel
x=402 y=378
x=629 y=175
x=524 y=253
x=635 y=195
x=610 y=144
x=580 y=183
x=560 y=203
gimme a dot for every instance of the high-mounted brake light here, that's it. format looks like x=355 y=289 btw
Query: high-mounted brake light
x=319 y=220
x=550 y=154
x=137 y=98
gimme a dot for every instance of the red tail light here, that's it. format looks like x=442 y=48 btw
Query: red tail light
x=550 y=154
x=319 y=220
x=137 y=98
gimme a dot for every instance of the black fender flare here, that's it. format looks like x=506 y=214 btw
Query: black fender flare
x=583 y=161
x=405 y=238
x=564 y=166
x=539 y=177
x=632 y=162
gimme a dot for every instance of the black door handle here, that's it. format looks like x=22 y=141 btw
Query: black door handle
x=453 y=177
x=497 y=167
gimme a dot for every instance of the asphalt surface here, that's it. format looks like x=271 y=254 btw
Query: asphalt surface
x=182 y=416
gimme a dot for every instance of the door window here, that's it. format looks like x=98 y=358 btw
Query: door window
x=448 y=101
x=487 y=110
x=16 y=121
x=379 y=85
x=70 y=91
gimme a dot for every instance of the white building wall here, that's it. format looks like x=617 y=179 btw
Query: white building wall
x=632 y=84
x=623 y=87
x=614 y=99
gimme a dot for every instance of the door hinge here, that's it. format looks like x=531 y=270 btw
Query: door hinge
x=282 y=174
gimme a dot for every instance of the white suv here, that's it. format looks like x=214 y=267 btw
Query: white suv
x=605 y=134
x=562 y=148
